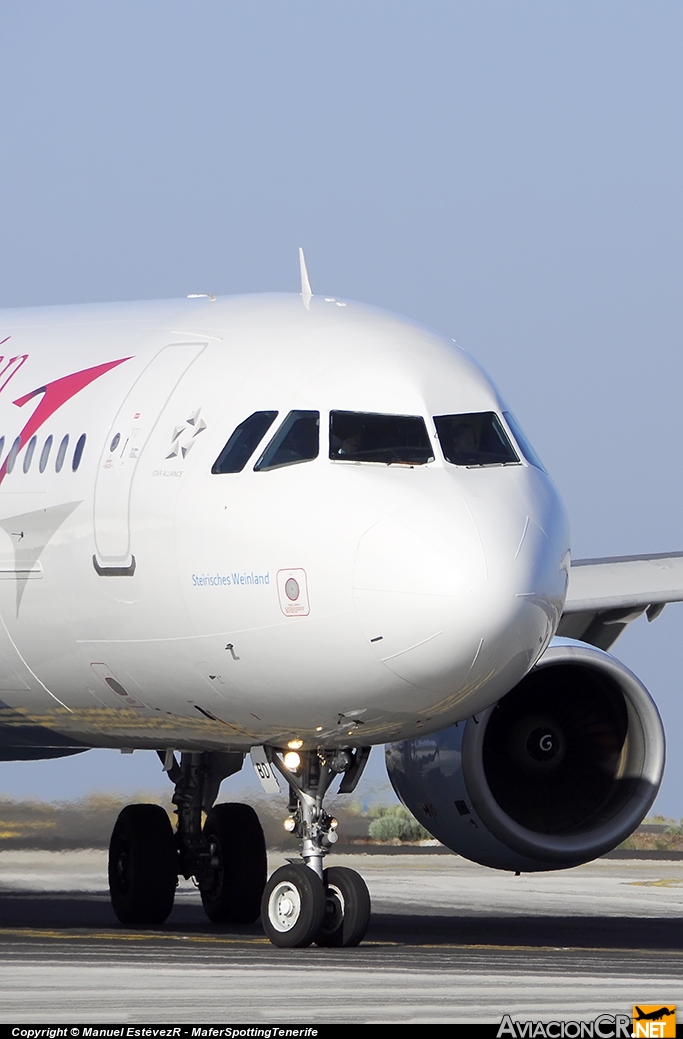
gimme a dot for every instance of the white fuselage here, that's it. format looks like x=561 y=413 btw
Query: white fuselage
x=144 y=599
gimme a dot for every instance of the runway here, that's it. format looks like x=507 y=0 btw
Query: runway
x=449 y=942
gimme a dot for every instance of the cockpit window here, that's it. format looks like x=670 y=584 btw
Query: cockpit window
x=297 y=440
x=243 y=442
x=477 y=439
x=360 y=436
x=522 y=442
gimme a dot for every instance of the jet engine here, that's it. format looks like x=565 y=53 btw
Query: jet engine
x=558 y=772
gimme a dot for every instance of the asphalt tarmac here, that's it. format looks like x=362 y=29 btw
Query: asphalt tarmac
x=449 y=942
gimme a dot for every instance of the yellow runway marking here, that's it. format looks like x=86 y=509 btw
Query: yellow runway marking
x=667 y=882
x=117 y=936
x=199 y=939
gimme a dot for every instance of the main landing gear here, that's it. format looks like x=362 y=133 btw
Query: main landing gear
x=302 y=902
x=227 y=855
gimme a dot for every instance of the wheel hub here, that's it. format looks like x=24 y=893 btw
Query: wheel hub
x=285 y=907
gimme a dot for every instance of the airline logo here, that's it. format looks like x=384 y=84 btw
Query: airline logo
x=184 y=435
x=49 y=397
x=654 y=1021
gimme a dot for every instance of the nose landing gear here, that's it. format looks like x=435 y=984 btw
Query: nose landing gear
x=302 y=904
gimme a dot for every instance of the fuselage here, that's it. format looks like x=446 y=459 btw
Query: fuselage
x=336 y=588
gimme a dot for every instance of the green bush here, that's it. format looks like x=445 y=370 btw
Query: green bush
x=396 y=823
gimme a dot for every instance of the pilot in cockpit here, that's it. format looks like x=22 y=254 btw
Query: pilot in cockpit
x=464 y=438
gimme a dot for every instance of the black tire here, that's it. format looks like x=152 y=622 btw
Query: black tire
x=293 y=906
x=347 y=908
x=143 y=865
x=232 y=892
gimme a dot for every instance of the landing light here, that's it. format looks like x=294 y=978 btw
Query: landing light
x=295 y=744
x=291 y=760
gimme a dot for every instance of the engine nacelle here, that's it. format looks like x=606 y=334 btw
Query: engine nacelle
x=560 y=771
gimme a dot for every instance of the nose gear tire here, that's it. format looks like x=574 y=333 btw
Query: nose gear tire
x=347 y=908
x=293 y=906
x=143 y=865
x=231 y=890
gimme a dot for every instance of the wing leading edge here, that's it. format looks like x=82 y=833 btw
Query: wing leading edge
x=607 y=594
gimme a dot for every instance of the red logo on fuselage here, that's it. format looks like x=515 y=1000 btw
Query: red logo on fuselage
x=52 y=395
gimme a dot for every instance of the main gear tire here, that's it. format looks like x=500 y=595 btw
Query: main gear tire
x=143 y=866
x=231 y=889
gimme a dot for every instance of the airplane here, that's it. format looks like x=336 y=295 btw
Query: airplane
x=294 y=527
x=654 y=1015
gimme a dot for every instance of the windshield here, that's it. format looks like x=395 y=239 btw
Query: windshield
x=475 y=439
x=361 y=436
x=295 y=441
x=522 y=441
x=243 y=442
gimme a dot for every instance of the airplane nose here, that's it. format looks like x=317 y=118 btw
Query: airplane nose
x=460 y=599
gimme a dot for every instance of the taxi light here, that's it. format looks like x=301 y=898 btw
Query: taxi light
x=291 y=760
x=290 y=824
x=295 y=744
x=334 y=823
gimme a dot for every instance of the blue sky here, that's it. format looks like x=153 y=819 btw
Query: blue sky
x=508 y=173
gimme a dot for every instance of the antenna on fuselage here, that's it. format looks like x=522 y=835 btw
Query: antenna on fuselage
x=306 y=293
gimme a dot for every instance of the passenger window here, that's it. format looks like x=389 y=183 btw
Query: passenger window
x=297 y=440
x=28 y=457
x=12 y=456
x=61 y=453
x=522 y=442
x=78 y=453
x=45 y=454
x=474 y=440
x=243 y=442
x=358 y=436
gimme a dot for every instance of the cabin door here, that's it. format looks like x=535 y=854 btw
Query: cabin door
x=125 y=441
